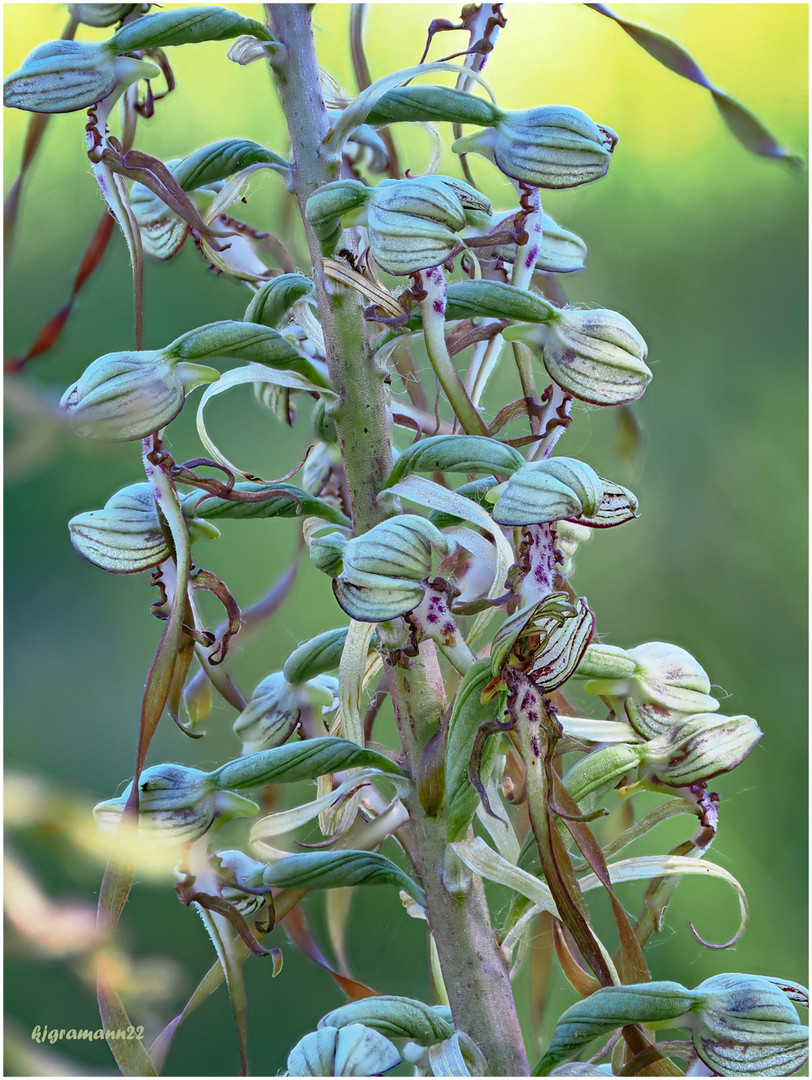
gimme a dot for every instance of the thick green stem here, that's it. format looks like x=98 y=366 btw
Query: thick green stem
x=360 y=413
x=473 y=968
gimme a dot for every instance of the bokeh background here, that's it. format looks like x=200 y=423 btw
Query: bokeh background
x=701 y=244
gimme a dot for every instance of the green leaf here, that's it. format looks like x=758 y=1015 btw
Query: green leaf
x=186 y=26
x=467 y=714
x=131 y=1057
x=743 y=124
x=288 y=501
x=299 y=761
x=457 y=453
x=337 y=869
x=426 y=104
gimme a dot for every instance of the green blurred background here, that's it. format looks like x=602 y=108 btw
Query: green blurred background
x=702 y=245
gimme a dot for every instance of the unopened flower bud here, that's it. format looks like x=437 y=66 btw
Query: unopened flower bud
x=554 y=146
x=413 y=223
x=100 y=14
x=548 y=490
x=324 y=425
x=327 y=552
x=666 y=685
x=273 y=299
x=603 y=769
x=560 y=251
x=275 y=708
x=700 y=748
x=384 y=570
x=746 y=1025
x=398 y=1017
x=234 y=873
x=597 y=356
x=126 y=537
x=66 y=76
x=354 y=1050
x=175 y=804
x=329 y=204
x=316 y=656
x=129 y=395
x=740 y=1025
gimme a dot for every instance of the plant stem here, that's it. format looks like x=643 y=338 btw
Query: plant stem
x=360 y=414
x=432 y=306
x=473 y=969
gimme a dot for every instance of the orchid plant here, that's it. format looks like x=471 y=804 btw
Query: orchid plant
x=447 y=533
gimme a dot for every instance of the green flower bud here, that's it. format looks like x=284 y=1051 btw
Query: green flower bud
x=397 y=1017
x=126 y=396
x=385 y=570
x=100 y=14
x=741 y=1025
x=329 y=204
x=602 y=661
x=327 y=553
x=273 y=713
x=700 y=748
x=324 y=425
x=175 y=804
x=349 y=1051
x=560 y=251
x=554 y=146
x=316 y=656
x=236 y=872
x=272 y=301
x=746 y=1025
x=666 y=685
x=548 y=490
x=569 y=535
x=324 y=460
x=609 y=1008
x=597 y=356
x=126 y=537
x=456 y=453
x=67 y=76
x=603 y=769
x=412 y=224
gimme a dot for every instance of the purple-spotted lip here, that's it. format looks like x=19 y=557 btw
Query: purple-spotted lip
x=609 y=138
